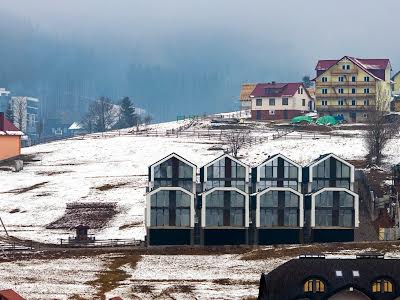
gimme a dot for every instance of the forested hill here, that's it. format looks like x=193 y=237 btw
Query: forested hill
x=187 y=75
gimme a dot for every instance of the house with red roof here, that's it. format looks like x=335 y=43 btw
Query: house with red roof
x=280 y=101
x=351 y=87
x=10 y=139
x=10 y=295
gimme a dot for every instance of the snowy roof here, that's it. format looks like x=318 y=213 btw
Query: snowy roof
x=75 y=126
x=371 y=66
x=8 y=128
x=275 y=89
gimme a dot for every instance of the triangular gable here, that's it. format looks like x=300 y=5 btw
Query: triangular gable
x=222 y=157
x=355 y=61
x=177 y=156
x=325 y=157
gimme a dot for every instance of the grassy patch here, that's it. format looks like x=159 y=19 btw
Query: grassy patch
x=177 y=289
x=77 y=297
x=52 y=173
x=113 y=275
x=227 y=281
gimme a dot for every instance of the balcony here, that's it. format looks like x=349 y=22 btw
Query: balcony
x=339 y=71
x=345 y=95
x=344 y=107
x=345 y=83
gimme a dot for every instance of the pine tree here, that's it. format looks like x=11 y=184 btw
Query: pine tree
x=127 y=113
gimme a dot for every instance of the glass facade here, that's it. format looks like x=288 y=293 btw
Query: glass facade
x=334 y=208
x=330 y=173
x=170 y=208
x=226 y=173
x=278 y=173
x=173 y=172
x=279 y=209
x=225 y=208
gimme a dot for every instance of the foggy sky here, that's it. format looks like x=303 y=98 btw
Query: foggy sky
x=192 y=41
x=265 y=32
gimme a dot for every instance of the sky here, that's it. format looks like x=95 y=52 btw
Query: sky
x=256 y=40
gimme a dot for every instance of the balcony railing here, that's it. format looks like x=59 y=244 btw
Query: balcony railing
x=345 y=83
x=341 y=71
x=345 y=95
x=344 y=107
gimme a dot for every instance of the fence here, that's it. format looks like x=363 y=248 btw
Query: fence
x=389 y=234
x=72 y=243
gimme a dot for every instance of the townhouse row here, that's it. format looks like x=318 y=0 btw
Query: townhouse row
x=229 y=203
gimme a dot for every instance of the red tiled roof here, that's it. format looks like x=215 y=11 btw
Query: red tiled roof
x=276 y=89
x=10 y=295
x=368 y=65
x=6 y=125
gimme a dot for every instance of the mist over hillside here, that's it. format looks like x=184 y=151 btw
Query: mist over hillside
x=170 y=59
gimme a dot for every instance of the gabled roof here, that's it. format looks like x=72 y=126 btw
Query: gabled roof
x=10 y=295
x=173 y=154
x=277 y=89
x=322 y=157
x=395 y=75
x=370 y=66
x=277 y=155
x=286 y=282
x=247 y=89
x=223 y=156
x=8 y=128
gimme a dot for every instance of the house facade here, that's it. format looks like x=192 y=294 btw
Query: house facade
x=26 y=115
x=10 y=139
x=5 y=98
x=331 y=206
x=283 y=203
x=245 y=92
x=316 y=277
x=170 y=202
x=351 y=87
x=280 y=101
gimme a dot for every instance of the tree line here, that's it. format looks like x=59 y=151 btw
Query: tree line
x=104 y=115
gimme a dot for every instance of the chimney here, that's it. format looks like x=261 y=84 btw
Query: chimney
x=2 y=121
x=273 y=82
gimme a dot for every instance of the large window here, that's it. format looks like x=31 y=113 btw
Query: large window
x=279 y=208
x=331 y=173
x=226 y=172
x=334 y=208
x=170 y=208
x=225 y=208
x=258 y=102
x=278 y=172
x=173 y=172
x=285 y=101
x=382 y=286
x=314 y=286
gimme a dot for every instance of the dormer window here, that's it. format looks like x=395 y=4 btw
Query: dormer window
x=356 y=273
x=339 y=273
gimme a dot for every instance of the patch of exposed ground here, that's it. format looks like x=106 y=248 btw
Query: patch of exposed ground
x=93 y=214
x=27 y=189
x=131 y=225
x=52 y=173
x=110 y=186
x=110 y=278
x=280 y=252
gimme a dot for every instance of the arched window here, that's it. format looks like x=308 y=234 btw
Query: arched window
x=314 y=286
x=382 y=286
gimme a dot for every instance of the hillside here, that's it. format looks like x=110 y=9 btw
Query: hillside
x=113 y=169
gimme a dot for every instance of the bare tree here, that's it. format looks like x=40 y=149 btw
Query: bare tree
x=18 y=107
x=235 y=140
x=378 y=134
x=147 y=119
x=102 y=115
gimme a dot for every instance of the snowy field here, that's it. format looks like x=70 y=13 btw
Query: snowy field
x=75 y=170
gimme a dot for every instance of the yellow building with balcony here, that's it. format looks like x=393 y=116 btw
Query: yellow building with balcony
x=351 y=87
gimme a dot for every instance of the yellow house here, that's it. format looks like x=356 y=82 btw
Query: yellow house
x=396 y=83
x=351 y=87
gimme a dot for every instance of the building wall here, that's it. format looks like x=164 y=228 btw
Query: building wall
x=331 y=99
x=294 y=103
x=275 y=115
x=396 y=84
x=10 y=146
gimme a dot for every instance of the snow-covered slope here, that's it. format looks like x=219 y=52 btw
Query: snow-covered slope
x=73 y=170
